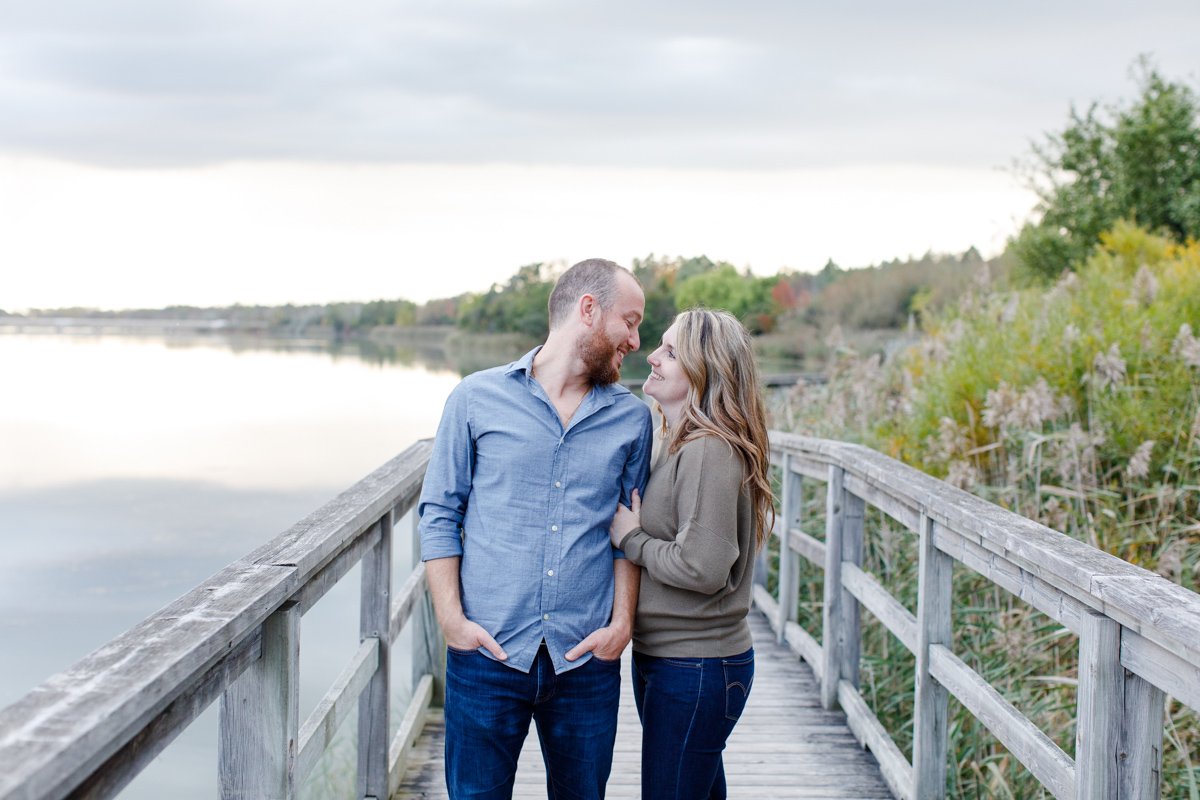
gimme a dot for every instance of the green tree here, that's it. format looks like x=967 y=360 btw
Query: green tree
x=658 y=277
x=828 y=274
x=746 y=297
x=1138 y=162
x=519 y=306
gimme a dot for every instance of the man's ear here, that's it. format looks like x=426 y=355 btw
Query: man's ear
x=588 y=309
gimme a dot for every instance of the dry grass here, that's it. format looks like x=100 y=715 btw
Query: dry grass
x=1076 y=406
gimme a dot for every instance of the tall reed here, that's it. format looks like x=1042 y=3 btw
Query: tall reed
x=1076 y=405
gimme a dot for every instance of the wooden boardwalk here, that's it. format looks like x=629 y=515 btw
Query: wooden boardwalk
x=785 y=746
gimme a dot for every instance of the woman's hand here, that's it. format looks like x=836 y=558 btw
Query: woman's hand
x=626 y=519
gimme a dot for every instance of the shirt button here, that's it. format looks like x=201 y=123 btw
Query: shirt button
x=545 y=616
x=554 y=527
x=550 y=573
x=558 y=484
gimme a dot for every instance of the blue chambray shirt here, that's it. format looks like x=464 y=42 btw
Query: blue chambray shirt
x=527 y=505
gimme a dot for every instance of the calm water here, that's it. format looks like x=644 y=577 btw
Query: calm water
x=132 y=469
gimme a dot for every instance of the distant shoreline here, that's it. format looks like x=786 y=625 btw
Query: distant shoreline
x=158 y=326
x=443 y=337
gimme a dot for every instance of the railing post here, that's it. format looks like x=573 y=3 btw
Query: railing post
x=259 y=717
x=1099 y=704
x=840 y=638
x=839 y=624
x=934 y=598
x=831 y=637
x=1139 y=760
x=789 y=561
x=428 y=649
x=1119 y=725
x=853 y=523
x=374 y=703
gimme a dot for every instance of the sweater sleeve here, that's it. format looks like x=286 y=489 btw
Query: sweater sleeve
x=705 y=494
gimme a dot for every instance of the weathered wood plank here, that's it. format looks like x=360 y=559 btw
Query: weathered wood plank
x=832 y=639
x=1046 y=598
x=799 y=640
x=317 y=731
x=428 y=656
x=259 y=719
x=314 y=541
x=335 y=570
x=1100 y=705
x=867 y=729
x=408 y=599
x=766 y=604
x=812 y=548
x=1162 y=667
x=374 y=705
x=878 y=496
x=803 y=463
x=1141 y=601
x=887 y=609
x=931 y=704
x=53 y=738
x=789 y=566
x=126 y=763
x=805 y=647
x=410 y=729
x=849 y=626
x=1049 y=764
x=1139 y=762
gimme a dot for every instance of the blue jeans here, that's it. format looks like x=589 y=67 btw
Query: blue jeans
x=488 y=709
x=688 y=707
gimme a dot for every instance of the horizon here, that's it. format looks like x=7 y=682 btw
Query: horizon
x=781 y=271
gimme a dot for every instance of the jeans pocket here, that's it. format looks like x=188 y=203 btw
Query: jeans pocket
x=739 y=678
x=689 y=663
x=456 y=651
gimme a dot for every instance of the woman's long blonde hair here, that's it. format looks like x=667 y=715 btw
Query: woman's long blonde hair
x=725 y=400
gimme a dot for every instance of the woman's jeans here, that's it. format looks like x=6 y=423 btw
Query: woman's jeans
x=488 y=709
x=688 y=707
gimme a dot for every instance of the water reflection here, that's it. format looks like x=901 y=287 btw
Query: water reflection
x=435 y=349
x=76 y=410
x=132 y=469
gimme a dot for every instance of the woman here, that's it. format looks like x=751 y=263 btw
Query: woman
x=706 y=511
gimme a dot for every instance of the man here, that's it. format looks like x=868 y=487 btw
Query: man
x=529 y=463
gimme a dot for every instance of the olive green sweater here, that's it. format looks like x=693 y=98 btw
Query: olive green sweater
x=696 y=549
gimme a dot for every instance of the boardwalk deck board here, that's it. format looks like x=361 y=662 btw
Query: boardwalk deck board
x=786 y=745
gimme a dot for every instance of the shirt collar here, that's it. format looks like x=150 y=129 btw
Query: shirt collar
x=524 y=363
x=604 y=395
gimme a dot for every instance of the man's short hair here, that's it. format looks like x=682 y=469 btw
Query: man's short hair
x=595 y=276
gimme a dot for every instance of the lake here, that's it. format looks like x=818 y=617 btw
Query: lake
x=131 y=469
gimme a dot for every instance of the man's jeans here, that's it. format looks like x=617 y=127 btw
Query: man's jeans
x=688 y=707
x=488 y=708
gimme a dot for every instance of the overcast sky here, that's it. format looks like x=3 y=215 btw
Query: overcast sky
x=210 y=152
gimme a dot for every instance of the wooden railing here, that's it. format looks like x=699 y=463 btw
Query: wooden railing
x=88 y=731
x=1139 y=634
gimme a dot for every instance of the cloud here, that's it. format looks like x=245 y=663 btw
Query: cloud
x=703 y=84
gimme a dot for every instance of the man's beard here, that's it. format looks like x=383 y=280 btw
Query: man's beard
x=598 y=354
